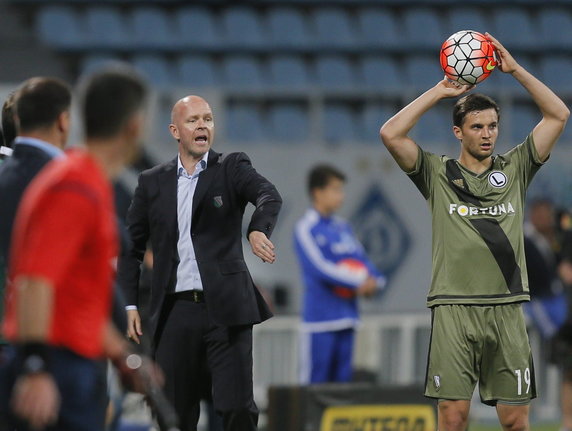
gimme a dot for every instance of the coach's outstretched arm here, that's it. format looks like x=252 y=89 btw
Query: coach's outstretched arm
x=554 y=111
x=394 y=133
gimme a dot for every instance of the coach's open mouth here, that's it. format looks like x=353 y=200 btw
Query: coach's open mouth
x=201 y=138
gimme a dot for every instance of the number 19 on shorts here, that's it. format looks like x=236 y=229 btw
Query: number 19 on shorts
x=519 y=375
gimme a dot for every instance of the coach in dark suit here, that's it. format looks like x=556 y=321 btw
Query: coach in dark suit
x=42 y=110
x=203 y=299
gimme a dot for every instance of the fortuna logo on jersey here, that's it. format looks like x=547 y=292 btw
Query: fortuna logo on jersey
x=464 y=210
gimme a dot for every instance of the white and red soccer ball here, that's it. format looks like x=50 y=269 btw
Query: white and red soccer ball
x=467 y=57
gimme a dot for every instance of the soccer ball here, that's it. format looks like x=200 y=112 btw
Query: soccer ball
x=352 y=265
x=467 y=57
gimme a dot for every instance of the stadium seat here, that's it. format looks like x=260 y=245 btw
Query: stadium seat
x=435 y=128
x=151 y=28
x=522 y=120
x=287 y=71
x=92 y=62
x=156 y=69
x=197 y=71
x=333 y=27
x=503 y=82
x=106 y=28
x=287 y=27
x=556 y=72
x=339 y=123
x=288 y=122
x=59 y=26
x=242 y=71
x=197 y=27
x=467 y=18
x=380 y=73
x=242 y=27
x=422 y=71
x=378 y=27
x=334 y=72
x=423 y=28
x=372 y=118
x=555 y=26
x=244 y=123
x=506 y=20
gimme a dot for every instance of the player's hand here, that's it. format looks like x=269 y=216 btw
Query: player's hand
x=134 y=326
x=36 y=399
x=505 y=62
x=449 y=88
x=368 y=287
x=261 y=246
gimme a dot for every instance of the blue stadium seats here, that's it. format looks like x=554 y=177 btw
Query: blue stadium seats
x=506 y=83
x=242 y=27
x=334 y=27
x=522 y=120
x=555 y=26
x=435 y=127
x=288 y=122
x=244 y=122
x=380 y=73
x=513 y=27
x=151 y=28
x=287 y=71
x=422 y=71
x=423 y=28
x=378 y=27
x=197 y=71
x=59 y=26
x=334 y=72
x=339 y=123
x=556 y=72
x=372 y=118
x=241 y=71
x=197 y=27
x=105 y=28
x=93 y=62
x=287 y=27
x=467 y=18
x=156 y=69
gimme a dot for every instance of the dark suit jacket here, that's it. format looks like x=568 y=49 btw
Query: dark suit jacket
x=16 y=173
x=223 y=189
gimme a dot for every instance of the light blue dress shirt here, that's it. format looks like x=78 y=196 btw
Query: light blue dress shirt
x=188 y=276
x=50 y=149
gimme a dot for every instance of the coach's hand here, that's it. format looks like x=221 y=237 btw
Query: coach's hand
x=262 y=246
x=134 y=326
x=36 y=399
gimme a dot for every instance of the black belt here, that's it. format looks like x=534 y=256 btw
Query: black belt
x=190 y=295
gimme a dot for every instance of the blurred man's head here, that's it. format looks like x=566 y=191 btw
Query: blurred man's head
x=326 y=188
x=543 y=216
x=8 y=121
x=42 y=110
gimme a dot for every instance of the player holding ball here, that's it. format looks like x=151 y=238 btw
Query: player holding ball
x=479 y=276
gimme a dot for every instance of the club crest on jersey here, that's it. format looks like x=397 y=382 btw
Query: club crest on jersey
x=497 y=179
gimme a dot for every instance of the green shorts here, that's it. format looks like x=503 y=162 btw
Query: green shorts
x=484 y=344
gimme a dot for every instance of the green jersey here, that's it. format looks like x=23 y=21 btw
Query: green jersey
x=477 y=221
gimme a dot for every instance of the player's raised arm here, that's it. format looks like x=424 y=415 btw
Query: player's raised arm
x=394 y=133
x=554 y=111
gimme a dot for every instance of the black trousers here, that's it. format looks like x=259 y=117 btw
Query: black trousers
x=187 y=346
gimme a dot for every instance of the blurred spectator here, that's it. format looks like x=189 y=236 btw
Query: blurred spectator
x=335 y=271
x=8 y=127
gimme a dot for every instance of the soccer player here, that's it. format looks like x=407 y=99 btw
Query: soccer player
x=325 y=245
x=479 y=272
x=61 y=267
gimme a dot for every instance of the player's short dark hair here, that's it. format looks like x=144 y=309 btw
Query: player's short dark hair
x=470 y=103
x=9 y=132
x=40 y=101
x=321 y=175
x=109 y=99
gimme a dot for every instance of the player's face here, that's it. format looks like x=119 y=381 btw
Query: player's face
x=479 y=133
x=331 y=197
x=193 y=126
